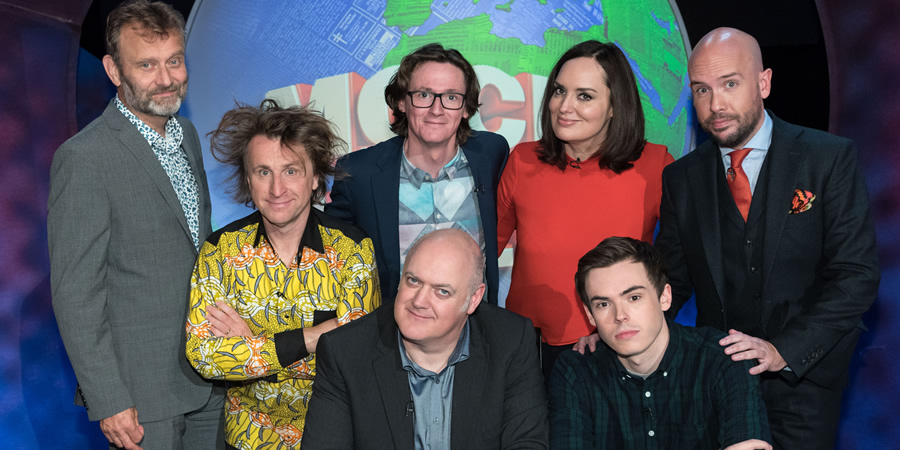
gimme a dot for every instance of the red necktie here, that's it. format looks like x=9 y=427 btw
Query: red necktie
x=739 y=183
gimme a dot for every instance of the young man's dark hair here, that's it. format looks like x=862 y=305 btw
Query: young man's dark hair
x=615 y=250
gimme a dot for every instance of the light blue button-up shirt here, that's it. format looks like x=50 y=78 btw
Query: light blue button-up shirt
x=432 y=395
x=760 y=143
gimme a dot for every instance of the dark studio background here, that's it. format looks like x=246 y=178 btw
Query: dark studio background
x=835 y=65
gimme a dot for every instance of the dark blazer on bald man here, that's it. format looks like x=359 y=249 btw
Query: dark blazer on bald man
x=361 y=393
x=818 y=266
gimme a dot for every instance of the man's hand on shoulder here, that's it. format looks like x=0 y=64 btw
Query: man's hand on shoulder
x=123 y=429
x=587 y=342
x=752 y=444
x=743 y=346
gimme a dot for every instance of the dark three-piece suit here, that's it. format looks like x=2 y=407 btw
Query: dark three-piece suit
x=798 y=274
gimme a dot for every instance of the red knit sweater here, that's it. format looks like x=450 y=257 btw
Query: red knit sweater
x=559 y=216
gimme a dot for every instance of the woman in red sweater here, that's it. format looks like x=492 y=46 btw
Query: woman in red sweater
x=592 y=175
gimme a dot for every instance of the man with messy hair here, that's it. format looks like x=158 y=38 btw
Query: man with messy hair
x=267 y=286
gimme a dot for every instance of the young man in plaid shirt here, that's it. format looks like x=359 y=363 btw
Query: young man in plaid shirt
x=655 y=384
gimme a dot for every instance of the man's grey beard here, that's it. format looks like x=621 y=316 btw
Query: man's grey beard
x=141 y=101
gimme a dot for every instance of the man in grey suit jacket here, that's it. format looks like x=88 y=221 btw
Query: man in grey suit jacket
x=438 y=369
x=129 y=205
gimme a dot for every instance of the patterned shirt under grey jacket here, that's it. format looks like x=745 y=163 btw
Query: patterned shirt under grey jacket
x=174 y=161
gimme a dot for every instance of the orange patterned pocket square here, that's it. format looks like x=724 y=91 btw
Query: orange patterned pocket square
x=802 y=201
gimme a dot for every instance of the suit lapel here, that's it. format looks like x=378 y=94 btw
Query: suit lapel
x=481 y=178
x=703 y=178
x=132 y=140
x=386 y=195
x=467 y=389
x=195 y=159
x=393 y=384
x=480 y=166
x=784 y=162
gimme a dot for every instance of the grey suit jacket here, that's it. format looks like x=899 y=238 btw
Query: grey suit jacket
x=121 y=257
x=361 y=394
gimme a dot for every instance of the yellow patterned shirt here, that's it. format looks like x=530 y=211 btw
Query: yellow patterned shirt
x=271 y=374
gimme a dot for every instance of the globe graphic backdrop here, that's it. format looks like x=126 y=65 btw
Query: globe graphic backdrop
x=340 y=55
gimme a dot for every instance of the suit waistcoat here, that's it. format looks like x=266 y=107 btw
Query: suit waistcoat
x=742 y=256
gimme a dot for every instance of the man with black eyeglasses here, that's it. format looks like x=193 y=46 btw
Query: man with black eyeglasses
x=437 y=173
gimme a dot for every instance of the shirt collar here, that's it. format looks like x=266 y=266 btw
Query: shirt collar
x=311 y=238
x=417 y=176
x=174 y=134
x=460 y=353
x=670 y=358
x=760 y=141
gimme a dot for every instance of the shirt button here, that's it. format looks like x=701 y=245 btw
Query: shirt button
x=651 y=433
x=749 y=243
x=665 y=374
x=437 y=421
x=753 y=269
x=647 y=394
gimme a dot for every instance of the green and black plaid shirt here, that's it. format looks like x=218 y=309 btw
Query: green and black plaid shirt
x=698 y=398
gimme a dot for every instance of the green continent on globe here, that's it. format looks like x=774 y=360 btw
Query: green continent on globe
x=646 y=30
x=406 y=13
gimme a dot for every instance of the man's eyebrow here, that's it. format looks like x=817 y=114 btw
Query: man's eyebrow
x=732 y=74
x=437 y=285
x=632 y=289
x=446 y=286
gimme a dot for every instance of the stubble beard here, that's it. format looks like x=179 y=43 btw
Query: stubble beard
x=746 y=125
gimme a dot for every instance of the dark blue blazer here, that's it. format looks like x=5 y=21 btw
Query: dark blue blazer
x=369 y=197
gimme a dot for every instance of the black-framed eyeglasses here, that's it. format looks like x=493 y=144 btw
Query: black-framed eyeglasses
x=449 y=100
